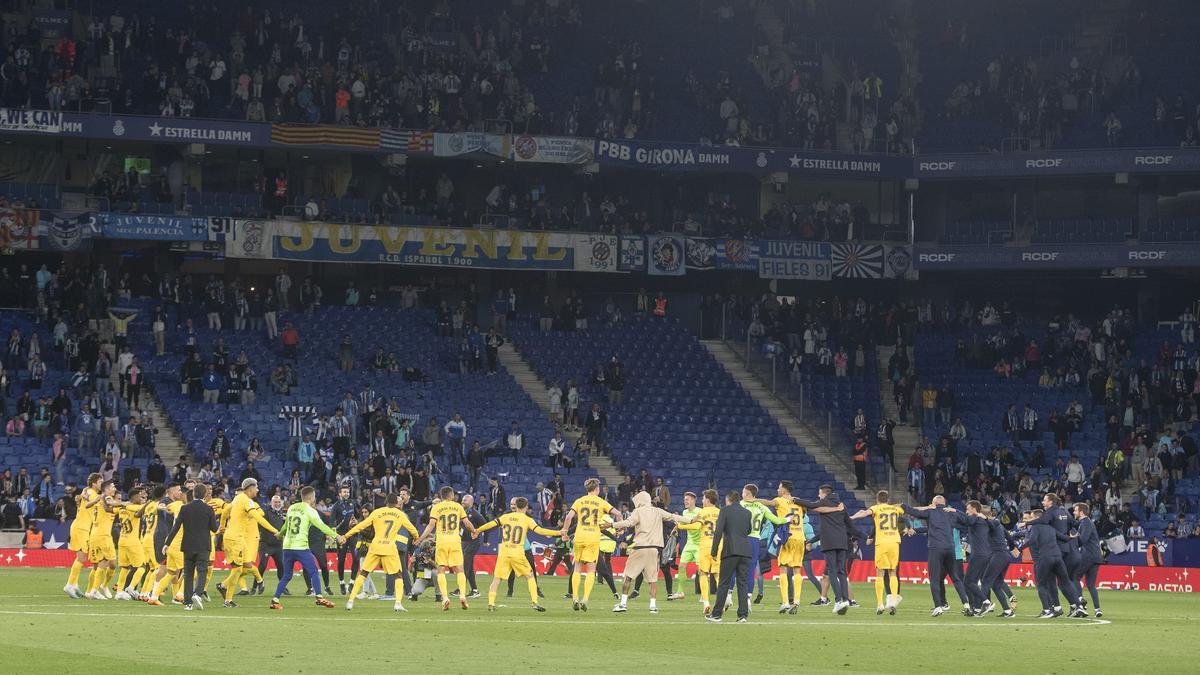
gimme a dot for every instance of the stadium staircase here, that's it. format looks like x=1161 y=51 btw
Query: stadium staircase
x=535 y=388
x=796 y=430
x=168 y=444
x=905 y=436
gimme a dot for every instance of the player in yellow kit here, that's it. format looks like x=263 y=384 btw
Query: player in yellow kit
x=588 y=510
x=889 y=523
x=245 y=516
x=130 y=553
x=171 y=569
x=791 y=554
x=708 y=567
x=150 y=515
x=81 y=531
x=449 y=517
x=510 y=555
x=101 y=550
x=387 y=522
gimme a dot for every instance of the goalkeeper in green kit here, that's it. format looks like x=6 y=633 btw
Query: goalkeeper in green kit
x=691 y=549
x=300 y=517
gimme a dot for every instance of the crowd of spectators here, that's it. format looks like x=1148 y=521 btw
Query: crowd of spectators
x=1147 y=407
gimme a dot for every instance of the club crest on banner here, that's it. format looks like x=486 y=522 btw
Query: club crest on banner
x=667 y=255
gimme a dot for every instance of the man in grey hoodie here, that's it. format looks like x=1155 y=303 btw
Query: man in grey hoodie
x=647 y=523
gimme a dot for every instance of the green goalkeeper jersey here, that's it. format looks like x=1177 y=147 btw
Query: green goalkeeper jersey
x=300 y=517
x=693 y=536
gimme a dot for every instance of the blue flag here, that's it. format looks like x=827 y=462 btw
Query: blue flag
x=782 y=534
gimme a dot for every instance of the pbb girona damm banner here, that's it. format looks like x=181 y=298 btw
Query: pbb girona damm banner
x=1112 y=577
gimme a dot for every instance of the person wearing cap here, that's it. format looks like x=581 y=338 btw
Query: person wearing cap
x=242 y=537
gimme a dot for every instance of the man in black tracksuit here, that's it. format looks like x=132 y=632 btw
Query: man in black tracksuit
x=1048 y=565
x=993 y=576
x=345 y=509
x=1090 y=556
x=978 y=533
x=942 y=561
x=835 y=529
x=1056 y=516
x=470 y=545
x=271 y=547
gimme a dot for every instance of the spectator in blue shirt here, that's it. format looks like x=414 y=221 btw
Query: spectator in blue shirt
x=212 y=383
x=305 y=455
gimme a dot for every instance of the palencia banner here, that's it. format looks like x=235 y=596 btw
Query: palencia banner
x=425 y=246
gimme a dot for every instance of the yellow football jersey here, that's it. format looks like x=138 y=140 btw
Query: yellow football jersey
x=149 y=523
x=589 y=509
x=84 y=517
x=887 y=522
x=514 y=528
x=242 y=524
x=705 y=520
x=173 y=509
x=785 y=508
x=130 y=518
x=388 y=523
x=449 y=516
x=102 y=522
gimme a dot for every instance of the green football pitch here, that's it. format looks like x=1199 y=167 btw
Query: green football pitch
x=41 y=630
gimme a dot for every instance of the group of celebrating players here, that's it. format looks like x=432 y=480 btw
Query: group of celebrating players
x=149 y=569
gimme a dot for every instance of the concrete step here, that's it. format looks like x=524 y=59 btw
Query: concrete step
x=797 y=430
x=905 y=436
x=169 y=444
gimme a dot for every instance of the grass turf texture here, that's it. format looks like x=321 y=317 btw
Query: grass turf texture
x=43 y=631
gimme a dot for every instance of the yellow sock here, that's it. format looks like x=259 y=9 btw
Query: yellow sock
x=177 y=586
x=148 y=581
x=93 y=580
x=463 y=589
x=73 y=577
x=124 y=581
x=532 y=590
x=588 y=583
x=231 y=583
x=158 y=585
x=441 y=577
x=783 y=586
x=703 y=588
x=358 y=584
x=256 y=573
x=879 y=588
x=492 y=597
x=575 y=590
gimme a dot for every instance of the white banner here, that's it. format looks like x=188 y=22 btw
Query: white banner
x=45 y=121
x=553 y=149
x=595 y=253
x=250 y=239
x=453 y=145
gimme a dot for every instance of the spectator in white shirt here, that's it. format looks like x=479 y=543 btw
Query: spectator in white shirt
x=557 y=447
x=554 y=393
x=1135 y=531
x=515 y=439
x=1075 y=476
